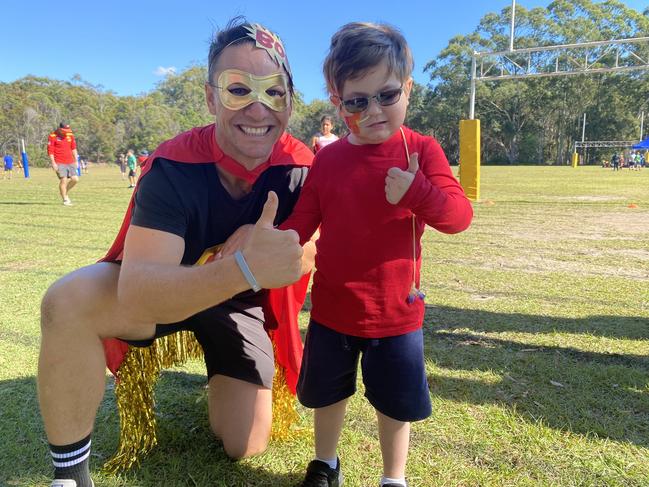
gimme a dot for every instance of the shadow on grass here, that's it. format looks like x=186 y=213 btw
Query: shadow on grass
x=25 y=203
x=599 y=393
x=625 y=327
x=187 y=453
x=591 y=393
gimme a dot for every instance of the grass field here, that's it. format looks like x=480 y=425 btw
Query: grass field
x=537 y=342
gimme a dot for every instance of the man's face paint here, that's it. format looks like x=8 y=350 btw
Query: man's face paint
x=238 y=89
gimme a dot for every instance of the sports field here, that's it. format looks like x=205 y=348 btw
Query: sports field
x=537 y=342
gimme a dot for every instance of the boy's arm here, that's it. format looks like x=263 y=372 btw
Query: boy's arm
x=306 y=216
x=435 y=195
x=308 y=257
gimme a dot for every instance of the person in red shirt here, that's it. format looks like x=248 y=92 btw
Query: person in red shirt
x=62 y=150
x=142 y=157
x=372 y=194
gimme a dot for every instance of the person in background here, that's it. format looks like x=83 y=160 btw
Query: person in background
x=326 y=136
x=8 y=166
x=131 y=162
x=383 y=183
x=121 y=161
x=62 y=150
x=142 y=157
x=83 y=163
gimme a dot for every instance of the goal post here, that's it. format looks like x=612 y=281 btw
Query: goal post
x=470 y=158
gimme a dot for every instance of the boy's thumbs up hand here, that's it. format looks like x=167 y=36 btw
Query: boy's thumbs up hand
x=413 y=163
x=274 y=256
x=398 y=181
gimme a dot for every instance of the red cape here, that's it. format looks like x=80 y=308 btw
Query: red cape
x=199 y=146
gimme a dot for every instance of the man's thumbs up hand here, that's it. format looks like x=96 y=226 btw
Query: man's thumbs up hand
x=273 y=256
x=267 y=218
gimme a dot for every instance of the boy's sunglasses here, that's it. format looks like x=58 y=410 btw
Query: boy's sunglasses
x=360 y=103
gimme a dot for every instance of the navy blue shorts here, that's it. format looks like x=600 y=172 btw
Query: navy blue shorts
x=393 y=372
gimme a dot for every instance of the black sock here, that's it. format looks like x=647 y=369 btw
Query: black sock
x=72 y=462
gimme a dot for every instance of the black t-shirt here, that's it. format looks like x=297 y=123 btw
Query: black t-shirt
x=189 y=200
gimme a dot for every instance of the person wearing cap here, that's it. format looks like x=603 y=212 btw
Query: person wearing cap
x=62 y=151
x=142 y=157
x=232 y=181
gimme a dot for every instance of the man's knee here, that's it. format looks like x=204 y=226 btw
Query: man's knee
x=240 y=415
x=54 y=305
x=70 y=299
x=237 y=447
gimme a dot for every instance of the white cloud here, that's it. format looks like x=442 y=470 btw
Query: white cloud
x=162 y=71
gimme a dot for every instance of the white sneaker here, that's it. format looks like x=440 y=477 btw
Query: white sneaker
x=68 y=202
x=65 y=483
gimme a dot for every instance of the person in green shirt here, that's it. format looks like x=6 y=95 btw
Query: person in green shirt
x=131 y=162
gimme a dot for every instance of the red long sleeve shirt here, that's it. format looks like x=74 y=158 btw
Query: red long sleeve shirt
x=61 y=145
x=364 y=254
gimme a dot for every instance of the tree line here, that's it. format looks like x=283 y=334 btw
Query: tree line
x=523 y=121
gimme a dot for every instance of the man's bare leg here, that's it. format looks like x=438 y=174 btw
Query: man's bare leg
x=63 y=187
x=71 y=183
x=76 y=312
x=240 y=415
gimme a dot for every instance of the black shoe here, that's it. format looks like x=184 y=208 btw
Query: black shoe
x=319 y=474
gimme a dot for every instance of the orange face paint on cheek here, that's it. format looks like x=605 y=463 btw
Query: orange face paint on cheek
x=354 y=122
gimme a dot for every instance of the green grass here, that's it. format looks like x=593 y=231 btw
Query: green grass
x=537 y=342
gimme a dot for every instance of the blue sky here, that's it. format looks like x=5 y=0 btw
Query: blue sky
x=128 y=46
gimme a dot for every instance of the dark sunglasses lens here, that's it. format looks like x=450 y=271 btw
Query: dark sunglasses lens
x=389 y=97
x=356 y=105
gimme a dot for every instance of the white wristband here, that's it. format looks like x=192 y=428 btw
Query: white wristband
x=245 y=270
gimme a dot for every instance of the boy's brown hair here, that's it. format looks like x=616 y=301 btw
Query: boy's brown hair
x=358 y=47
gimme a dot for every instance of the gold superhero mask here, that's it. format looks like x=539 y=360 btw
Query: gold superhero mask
x=238 y=89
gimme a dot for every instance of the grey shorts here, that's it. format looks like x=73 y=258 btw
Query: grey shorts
x=66 y=170
x=234 y=341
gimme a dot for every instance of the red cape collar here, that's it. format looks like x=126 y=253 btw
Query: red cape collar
x=199 y=145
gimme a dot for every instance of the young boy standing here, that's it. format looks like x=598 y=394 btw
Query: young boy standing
x=371 y=193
